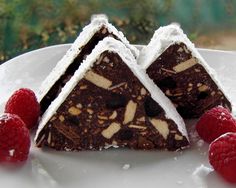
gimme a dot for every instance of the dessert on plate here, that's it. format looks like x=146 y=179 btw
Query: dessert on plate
x=91 y=34
x=175 y=65
x=111 y=102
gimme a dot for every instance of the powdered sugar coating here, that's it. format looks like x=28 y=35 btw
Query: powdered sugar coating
x=166 y=36
x=112 y=45
x=97 y=22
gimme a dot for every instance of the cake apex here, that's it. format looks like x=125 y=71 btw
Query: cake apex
x=162 y=38
x=99 y=18
x=108 y=74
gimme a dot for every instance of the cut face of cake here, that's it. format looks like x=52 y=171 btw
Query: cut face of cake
x=175 y=65
x=111 y=102
x=98 y=29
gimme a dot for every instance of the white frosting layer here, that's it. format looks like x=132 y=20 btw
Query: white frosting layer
x=97 y=22
x=112 y=45
x=165 y=37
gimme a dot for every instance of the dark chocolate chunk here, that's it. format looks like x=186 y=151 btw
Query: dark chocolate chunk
x=185 y=111
x=73 y=120
x=202 y=95
x=167 y=82
x=171 y=142
x=116 y=100
x=125 y=134
x=145 y=143
x=151 y=107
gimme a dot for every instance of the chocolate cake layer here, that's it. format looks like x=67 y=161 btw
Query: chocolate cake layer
x=59 y=84
x=109 y=106
x=185 y=82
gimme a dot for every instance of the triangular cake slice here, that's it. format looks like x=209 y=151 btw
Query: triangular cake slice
x=175 y=65
x=98 y=29
x=110 y=102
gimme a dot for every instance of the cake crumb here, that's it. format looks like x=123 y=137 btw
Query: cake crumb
x=126 y=166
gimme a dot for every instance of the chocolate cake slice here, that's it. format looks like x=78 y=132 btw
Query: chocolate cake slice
x=175 y=65
x=111 y=102
x=98 y=29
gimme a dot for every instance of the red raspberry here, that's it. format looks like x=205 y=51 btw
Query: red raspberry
x=214 y=123
x=24 y=103
x=222 y=156
x=14 y=139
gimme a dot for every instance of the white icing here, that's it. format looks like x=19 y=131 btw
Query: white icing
x=112 y=45
x=165 y=37
x=97 y=22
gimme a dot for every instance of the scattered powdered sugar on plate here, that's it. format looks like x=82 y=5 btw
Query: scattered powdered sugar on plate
x=126 y=166
x=200 y=143
x=199 y=175
x=60 y=166
x=193 y=135
x=202 y=171
x=176 y=158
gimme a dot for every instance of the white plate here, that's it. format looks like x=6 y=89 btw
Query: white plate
x=111 y=168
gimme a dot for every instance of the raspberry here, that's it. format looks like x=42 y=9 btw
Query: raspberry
x=24 y=103
x=14 y=139
x=222 y=156
x=214 y=123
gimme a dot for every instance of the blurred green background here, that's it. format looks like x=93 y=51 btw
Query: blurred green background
x=31 y=24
